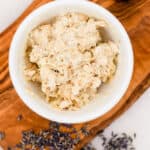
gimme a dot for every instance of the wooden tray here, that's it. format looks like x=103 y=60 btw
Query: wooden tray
x=135 y=16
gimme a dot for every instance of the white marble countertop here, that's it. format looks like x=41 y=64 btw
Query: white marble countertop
x=135 y=120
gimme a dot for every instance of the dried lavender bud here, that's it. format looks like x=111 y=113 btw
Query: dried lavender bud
x=2 y=135
x=119 y=141
x=134 y=135
x=115 y=142
x=73 y=131
x=76 y=140
x=88 y=147
x=113 y=134
x=51 y=138
x=104 y=140
x=19 y=145
x=19 y=117
x=85 y=131
x=54 y=125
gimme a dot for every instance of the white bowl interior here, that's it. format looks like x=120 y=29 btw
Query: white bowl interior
x=109 y=94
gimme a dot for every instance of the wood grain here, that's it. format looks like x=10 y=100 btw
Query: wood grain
x=135 y=16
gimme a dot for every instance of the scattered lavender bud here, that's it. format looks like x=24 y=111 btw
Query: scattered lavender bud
x=134 y=135
x=52 y=138
x=121 y=141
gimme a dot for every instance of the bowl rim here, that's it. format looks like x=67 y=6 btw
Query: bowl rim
x=20 y=91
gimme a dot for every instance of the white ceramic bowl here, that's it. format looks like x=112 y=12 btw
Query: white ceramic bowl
x=110 y=93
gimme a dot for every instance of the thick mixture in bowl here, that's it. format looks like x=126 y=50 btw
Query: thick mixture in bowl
x=69 y=59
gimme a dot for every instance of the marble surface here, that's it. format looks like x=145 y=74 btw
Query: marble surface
x=135 y=120
x=11 y=10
